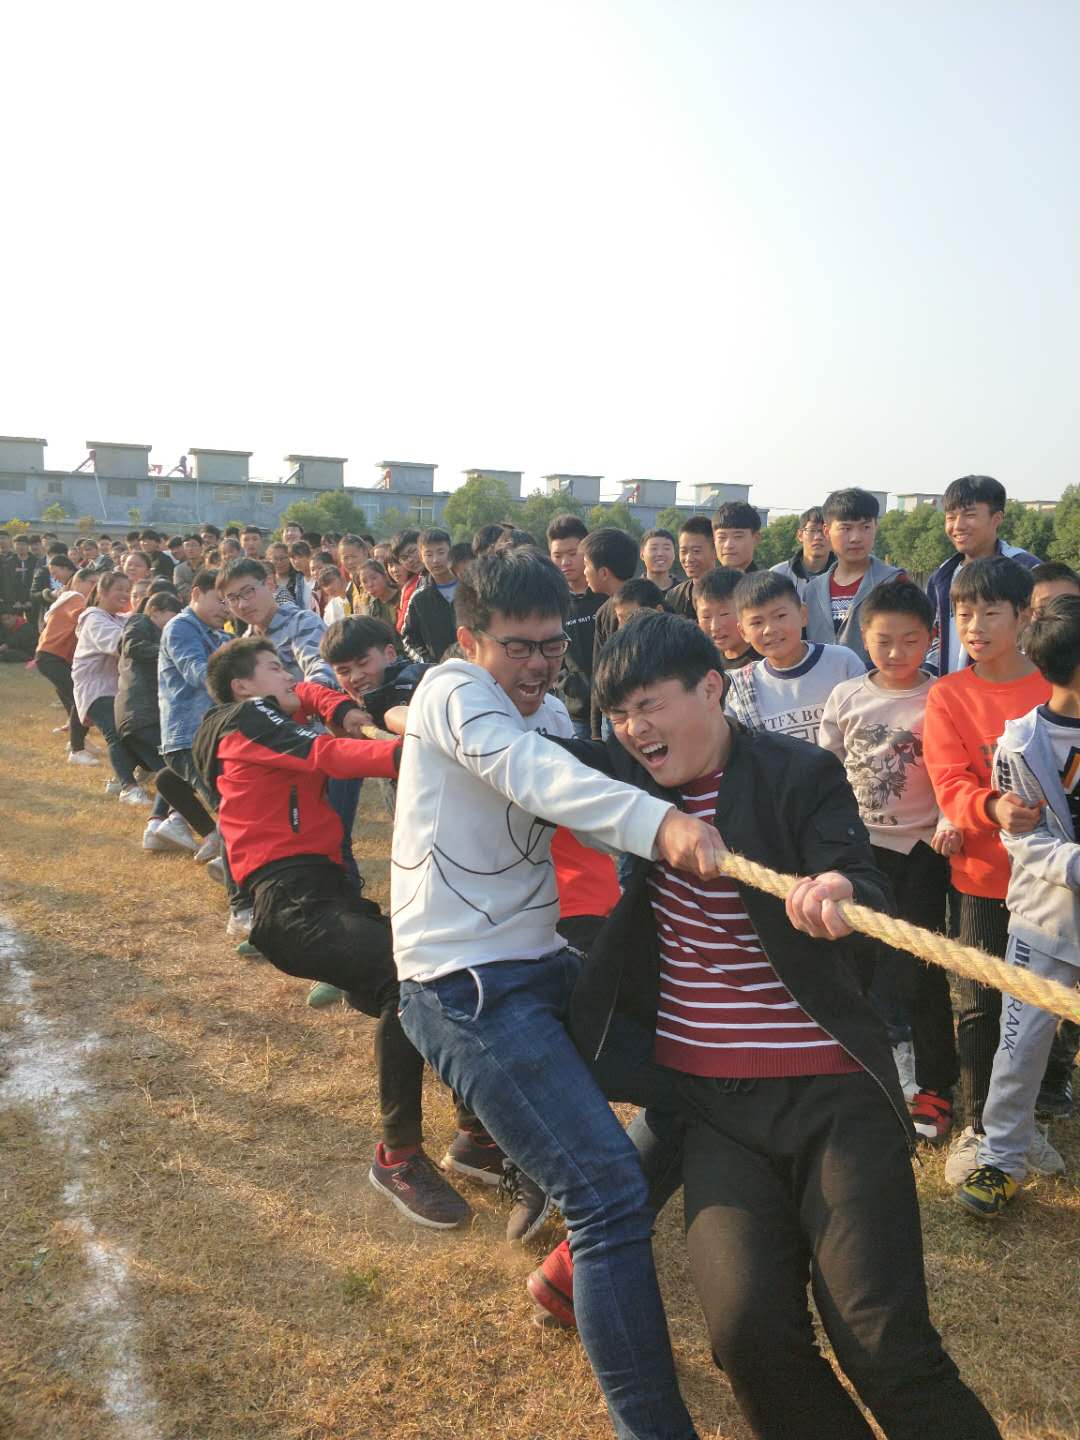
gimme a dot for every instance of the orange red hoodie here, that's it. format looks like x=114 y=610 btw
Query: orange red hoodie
x=965 y=719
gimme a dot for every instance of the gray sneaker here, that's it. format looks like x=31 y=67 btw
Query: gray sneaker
x=1042 y=1157
x=529 y=1206
x=963 y=1157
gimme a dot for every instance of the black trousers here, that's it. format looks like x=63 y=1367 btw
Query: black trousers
x=58 y=674
x=804 y=1181
x=311 y=920
x=904 y=984
x=984 y=923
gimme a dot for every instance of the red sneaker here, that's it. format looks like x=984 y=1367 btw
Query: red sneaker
x=551 y=1289
x=931 y=1115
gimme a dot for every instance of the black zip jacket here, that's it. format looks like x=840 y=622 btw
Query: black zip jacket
x=575 y=682
x=430 y=627
x=136 y=705
x=787 y=805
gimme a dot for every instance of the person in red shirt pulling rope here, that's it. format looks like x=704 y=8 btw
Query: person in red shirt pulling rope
x=267 y=771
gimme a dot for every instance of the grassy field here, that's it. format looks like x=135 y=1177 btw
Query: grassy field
x=190 y=1249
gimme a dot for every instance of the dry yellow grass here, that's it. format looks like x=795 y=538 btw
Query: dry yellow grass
x=221 y=1151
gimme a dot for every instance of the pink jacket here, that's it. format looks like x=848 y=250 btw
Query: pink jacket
x=97 y=657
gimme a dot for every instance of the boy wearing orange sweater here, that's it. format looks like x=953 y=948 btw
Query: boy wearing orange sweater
x=966 y=713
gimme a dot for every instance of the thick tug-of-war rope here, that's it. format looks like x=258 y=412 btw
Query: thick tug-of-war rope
x=937 y=949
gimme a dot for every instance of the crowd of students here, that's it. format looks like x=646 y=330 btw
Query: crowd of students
x=561 y=703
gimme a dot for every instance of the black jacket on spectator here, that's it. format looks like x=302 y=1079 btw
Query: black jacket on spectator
x=430 y=627
x=400 y=679
x=575 y=683
x=787 y=805
x=137 y=696
x=607 y=622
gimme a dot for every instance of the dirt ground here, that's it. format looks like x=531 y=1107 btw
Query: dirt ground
x=189 y=1246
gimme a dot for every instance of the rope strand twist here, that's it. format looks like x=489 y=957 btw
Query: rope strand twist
x=937 y=949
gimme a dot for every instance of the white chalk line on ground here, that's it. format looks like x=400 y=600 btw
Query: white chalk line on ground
x=45 y=1070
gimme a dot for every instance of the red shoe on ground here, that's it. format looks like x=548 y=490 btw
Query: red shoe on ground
x=551 y=1289
x=931 y=1115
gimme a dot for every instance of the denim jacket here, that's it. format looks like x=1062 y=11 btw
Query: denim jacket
x=183 y=699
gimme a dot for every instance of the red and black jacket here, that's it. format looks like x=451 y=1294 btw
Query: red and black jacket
x=268 y=771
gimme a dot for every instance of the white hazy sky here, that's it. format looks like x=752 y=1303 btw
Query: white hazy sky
x=795 y=243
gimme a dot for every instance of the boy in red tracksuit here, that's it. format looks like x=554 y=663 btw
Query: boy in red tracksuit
x=267 y=772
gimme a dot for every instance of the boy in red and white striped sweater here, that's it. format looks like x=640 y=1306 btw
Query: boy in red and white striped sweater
x=741 y=1020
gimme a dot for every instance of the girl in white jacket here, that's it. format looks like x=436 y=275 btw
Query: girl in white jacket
x=94 y=670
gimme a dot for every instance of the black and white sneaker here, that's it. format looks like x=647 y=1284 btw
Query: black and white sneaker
x=529 y=1206
x=419 y=1191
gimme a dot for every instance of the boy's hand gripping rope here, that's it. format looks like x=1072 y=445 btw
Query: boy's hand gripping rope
x=937 y=949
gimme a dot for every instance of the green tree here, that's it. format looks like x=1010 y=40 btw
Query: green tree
x=333 y=510
x=482 y=500
x=671 y=519
x=1030 y=529
x=1066 y=542
x=135 y=515
x=618 y=515
x=389 y=522
x=927 y=543
x=85 y=524
x=15 y=526
x=539 y=509
x=306 y=514
x=777 y=541
x=55 y=512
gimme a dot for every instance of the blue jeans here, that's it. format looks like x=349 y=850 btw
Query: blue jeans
x=497 y=1037
x=102 y=713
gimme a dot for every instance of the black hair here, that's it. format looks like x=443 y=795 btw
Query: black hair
x=762 y=586
x=328 y=573
x=326 y=557
x=1052 y=642
x=353 y=637
x=697 y=525
x=654 y=648
x=277 y=545
x=736 y=515
x=65 y=562
x=659 y=534
x=30 y=539
x=613 y=550
x=517 y=583
x=402 y=540
x=351 y=539
x=237 y=569
x=487 y=537
x=369 y=540
x=314 y=539
x=994 y=579
x=133 y=535
x=850 y=505
x=372 y=564
x=332 y=535
x=459 y=553
x=235 y=660
x=209 y=529
x=299 y=547
x=204 y=580
x=232 y=532
x=515 y=539
x=640 y=592
x=86 y=574
x=151 y=535
x=1053 y=570
x=974 y=490
x=56 y=548
x=433 y=536
x=160 y=585
x=814 y=516
x=898 y=596
x=566 y=527
x=717 y=584
x=196 y=538
x=252 y=530
x=175 y=540
x=165 y=600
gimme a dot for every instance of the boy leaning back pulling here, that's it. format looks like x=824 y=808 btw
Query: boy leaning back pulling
x=486 y=980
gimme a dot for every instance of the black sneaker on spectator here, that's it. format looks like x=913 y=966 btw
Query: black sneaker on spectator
x=529 y=1206
x=419 y=1191
x=1055 y=1100
x=475 y=1155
